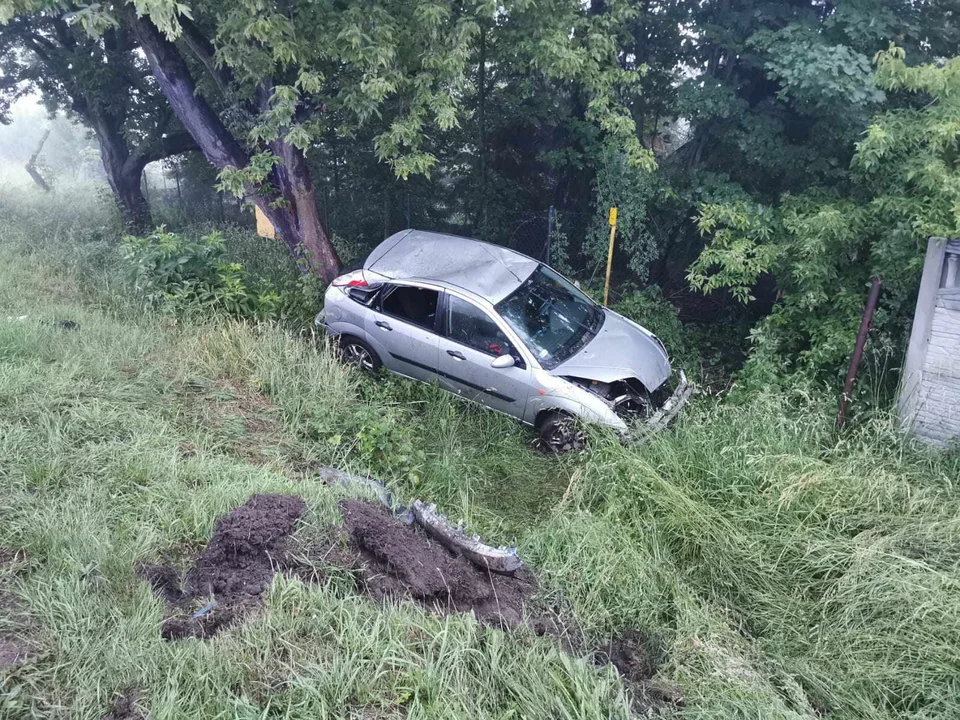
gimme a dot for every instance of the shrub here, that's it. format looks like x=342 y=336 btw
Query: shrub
x=187 y=274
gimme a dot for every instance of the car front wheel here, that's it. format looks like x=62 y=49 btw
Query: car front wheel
x=356 y=352
x=558 y=432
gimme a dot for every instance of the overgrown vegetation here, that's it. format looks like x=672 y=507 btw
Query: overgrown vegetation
x=779 y=570
x=193 y=275
x=825 y=245
x=781 y=154
x=768 y=159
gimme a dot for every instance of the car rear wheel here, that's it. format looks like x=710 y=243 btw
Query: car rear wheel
x=356 y=352
x=558 y=432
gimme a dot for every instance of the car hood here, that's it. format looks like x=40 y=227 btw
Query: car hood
x=622 y=349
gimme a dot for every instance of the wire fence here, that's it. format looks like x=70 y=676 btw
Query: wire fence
x=551 y=235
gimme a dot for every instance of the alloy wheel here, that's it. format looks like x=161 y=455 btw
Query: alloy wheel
x=356 y=354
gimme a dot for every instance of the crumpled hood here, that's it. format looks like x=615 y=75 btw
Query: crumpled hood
x=622 y=349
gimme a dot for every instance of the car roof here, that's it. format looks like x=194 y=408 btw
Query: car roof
x=488 y=271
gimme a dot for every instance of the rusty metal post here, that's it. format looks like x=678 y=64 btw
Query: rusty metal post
x=858 y=350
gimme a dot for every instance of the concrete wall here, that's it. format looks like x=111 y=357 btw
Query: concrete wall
x=930 y=393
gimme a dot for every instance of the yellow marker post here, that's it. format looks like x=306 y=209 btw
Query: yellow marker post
x=613 y=232
x=264 y=227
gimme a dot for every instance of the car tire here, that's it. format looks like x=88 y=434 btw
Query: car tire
x=557 y=432
x=356 y=352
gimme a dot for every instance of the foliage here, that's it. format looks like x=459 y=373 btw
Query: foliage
x=773 y=134
x=631 y=191
x=192 y=274
x=824 y=246
x=101 y=81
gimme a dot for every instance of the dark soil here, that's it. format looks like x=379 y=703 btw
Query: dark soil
x=637 y=656
x=389 y=559
x=633 y=654
x=392 y=559
x=235 y=568
x=125 y=708
x=164 y=580
x=13 y=650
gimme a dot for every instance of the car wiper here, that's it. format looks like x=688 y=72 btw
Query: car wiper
x=598 y=318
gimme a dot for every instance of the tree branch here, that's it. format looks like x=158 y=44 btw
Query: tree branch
x=214 y=139
x=171 y=145
x=203 y=49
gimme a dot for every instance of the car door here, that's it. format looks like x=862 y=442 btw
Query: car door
x=471 y=340
x=403 y=321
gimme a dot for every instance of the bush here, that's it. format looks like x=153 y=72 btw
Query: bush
x=188 y=274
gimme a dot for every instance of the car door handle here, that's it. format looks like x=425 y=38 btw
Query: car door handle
x=456 y=354
x=383 y=324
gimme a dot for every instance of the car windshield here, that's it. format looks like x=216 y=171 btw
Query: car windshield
x=552 y=317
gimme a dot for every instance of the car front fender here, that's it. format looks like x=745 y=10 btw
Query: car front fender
x=589 y=409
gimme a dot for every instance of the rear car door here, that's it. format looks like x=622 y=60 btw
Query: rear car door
x=471 y=340
x=404 y=321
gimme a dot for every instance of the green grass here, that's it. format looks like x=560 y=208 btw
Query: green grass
x=784 y=569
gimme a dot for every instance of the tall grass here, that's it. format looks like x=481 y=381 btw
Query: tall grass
x=785 y=571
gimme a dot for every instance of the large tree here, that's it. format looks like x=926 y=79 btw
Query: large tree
x=823 y=244
x=281 y=76
x=105 y=82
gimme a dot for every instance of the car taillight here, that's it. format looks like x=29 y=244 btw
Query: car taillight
x=352 y=279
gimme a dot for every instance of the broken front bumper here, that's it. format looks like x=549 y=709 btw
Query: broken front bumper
x=668 y=411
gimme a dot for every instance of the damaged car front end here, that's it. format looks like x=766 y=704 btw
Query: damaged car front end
x=621 y=378
x=634 y=407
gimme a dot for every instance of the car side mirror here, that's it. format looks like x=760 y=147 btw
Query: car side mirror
x=504 y=361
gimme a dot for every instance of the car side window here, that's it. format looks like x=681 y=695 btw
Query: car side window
x=364 y=295
x=414 y=304
x=469 y=325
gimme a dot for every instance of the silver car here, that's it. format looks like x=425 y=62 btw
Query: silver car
x=504 y=330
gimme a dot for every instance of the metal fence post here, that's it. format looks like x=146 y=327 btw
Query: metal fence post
x=551 y=225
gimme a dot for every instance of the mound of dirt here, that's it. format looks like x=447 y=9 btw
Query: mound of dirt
x=235 y=568
x=389 y=559
x=392 y=559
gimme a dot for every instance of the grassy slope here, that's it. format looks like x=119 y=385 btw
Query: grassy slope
x=784 y=570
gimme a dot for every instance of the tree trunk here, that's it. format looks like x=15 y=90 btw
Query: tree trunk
x=300 y=220
x=292 y=212
x=124 y=173
x=31 y=166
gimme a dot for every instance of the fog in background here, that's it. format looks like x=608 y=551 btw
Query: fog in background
x=70 y=155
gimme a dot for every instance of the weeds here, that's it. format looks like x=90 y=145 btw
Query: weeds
x=788 y=572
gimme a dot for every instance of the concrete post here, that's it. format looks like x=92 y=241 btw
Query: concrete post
x=920 y=332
